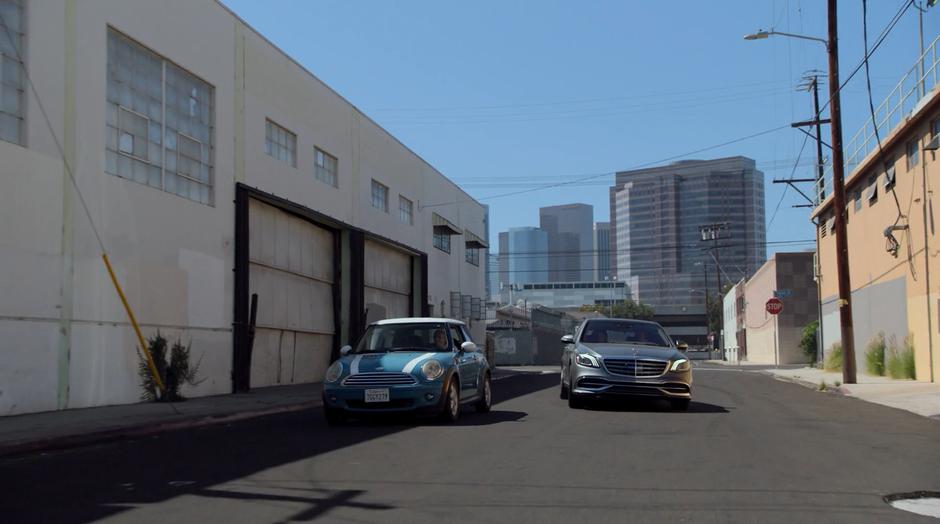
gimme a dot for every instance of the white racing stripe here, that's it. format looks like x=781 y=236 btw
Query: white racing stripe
x=354 y=365
x=415 y=361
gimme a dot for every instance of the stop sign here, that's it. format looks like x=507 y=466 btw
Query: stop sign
x=774 y=306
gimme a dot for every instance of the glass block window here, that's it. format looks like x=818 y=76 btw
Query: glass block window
x=380 y=196
x=442 y=241
x=324 y=166
x=159 y=122
x=12 y=99
x=280 y=143
x=406 y=210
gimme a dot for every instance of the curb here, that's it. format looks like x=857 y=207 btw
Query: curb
x=143 y=430
x=839 y=390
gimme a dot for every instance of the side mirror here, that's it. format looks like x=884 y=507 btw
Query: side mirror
x=682 y=346
x=567 y=339
x=468 y=347
x=345 y=350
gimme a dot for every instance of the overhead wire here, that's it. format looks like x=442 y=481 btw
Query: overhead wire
x=879 y=159
x=609 y=173
x=5 y=29
x=792 y=172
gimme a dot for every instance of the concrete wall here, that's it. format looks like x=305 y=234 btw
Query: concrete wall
x=66 y=339
x=879 y=308
x=774 y=339
x=876 y=275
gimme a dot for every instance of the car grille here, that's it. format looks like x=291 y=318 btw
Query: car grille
x=379 y=380
x=635 y=367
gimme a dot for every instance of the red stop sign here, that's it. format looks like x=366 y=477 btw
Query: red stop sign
x=774 y=306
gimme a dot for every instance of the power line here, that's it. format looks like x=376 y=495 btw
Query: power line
x=884 y=34
x=573 y=102
x=609 y=173
x=690 y=246
x=803 y=147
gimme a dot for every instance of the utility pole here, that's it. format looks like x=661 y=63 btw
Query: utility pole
x=713 y=232
x=838 y=190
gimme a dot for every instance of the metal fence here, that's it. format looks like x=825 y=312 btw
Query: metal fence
x=896 y=108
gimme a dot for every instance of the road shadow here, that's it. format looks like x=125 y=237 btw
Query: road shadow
x=650 y=405
x=97 y=482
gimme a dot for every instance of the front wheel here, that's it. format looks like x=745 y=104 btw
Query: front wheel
x=564 y=389
x=486 y=397
x=451 y=410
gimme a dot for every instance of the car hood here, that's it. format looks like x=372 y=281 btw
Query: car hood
x=406 y=361
x=631 y=351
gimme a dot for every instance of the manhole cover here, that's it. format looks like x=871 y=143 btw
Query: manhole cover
x=925 y=503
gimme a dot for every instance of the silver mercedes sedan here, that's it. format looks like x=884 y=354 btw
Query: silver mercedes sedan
x=615 y=358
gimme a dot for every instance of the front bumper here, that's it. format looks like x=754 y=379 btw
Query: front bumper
x=599 y=383
x=422 y=397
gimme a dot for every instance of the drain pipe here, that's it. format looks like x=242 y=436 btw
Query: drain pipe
x=933 y=145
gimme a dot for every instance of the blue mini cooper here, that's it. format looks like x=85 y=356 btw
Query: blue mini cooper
x=420 y=365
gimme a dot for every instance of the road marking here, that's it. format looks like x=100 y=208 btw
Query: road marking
x=929 y=507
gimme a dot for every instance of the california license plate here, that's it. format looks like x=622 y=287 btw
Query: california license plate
x=377 y=395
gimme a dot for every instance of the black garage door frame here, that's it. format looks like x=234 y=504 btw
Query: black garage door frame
x=241 y=350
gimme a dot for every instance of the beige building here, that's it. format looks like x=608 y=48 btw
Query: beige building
x=892 y=226
x=775 y=339
x=214 y=167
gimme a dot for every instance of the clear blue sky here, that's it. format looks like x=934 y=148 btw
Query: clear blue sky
x=503 y=95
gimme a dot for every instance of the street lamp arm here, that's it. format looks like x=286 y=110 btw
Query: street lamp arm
x=761 y=34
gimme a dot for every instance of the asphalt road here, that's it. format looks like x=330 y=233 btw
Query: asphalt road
x=750 y=449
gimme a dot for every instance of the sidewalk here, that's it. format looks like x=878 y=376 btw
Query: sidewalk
x=76 y=427
x=922 y=398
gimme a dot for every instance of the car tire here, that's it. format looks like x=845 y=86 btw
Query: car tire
x=564 y=389
x=575 y=401
x=451 y=411
x=680 y=404
x=486 y=397
x=333 y=416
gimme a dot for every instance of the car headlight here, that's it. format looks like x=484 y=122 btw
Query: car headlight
x=681 y=364
x=334 y=372
x=586 y=360
x=432 y=369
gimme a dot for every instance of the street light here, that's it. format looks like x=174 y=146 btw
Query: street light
x=611 y=303
x=838 y=187
x=761 y=35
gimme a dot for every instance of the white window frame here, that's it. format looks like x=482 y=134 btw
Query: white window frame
x=271 y=142
x=320 y=170
x=406 y=208
x=383 y=195
x=122 y=132
x=158 y=131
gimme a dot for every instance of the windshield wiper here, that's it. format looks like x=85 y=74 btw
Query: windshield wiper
x=408 y=348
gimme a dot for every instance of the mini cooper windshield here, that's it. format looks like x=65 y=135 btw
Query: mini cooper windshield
x=624 y=332
x=404 y=337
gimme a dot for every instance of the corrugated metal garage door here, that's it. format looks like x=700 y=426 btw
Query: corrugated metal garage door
x=388 y=286
x=292 y=271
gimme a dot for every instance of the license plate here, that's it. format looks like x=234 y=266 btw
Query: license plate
x=376 y=395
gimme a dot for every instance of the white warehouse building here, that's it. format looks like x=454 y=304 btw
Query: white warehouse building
x=213 y=167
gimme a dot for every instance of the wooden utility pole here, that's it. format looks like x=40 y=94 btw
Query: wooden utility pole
x=838 y=201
